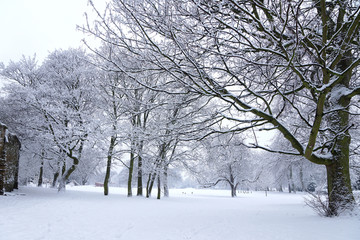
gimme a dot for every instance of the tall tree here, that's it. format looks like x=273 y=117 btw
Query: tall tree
x=62 y=95
x=227 y=160
x=112 y=107
x=249 y=54
x=21 y=114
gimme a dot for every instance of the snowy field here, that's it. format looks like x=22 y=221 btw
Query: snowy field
x=84 y=213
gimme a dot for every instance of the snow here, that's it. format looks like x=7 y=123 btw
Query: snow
x=6 y=135
x=337 y=92
x=84 y=213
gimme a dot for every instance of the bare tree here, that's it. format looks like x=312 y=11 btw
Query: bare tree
x=253 y=54
x=228 y=160
x=110 y=84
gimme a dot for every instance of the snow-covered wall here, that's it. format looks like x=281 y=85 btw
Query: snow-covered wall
x=9 y=160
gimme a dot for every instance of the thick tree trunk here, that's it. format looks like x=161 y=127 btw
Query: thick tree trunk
x=232 y=182
x=233 y=190
x=40 y=181
x=139 y=177
x=289 y=187
x=338 y=173
x=108 y=165
x=56 y=175
x=131 y=170
x=75 y=163
x=66 y=175
x=339 y=185
x=148 y=186
x=158 y=187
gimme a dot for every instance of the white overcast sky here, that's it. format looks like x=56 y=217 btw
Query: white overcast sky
x=39 y=26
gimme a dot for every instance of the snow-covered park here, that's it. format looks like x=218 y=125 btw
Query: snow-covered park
x=33 y=213
x=169 y=94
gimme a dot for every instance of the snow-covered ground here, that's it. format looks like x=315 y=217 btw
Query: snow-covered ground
x=84 y=213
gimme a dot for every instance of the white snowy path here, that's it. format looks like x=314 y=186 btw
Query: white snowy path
x=84 y=213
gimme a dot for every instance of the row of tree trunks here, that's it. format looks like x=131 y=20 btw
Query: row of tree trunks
x=150 y=183
x=138 y=121
x=155 y=175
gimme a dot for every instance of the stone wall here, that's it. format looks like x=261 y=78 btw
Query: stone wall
x=2 y=158
x=9 y=160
